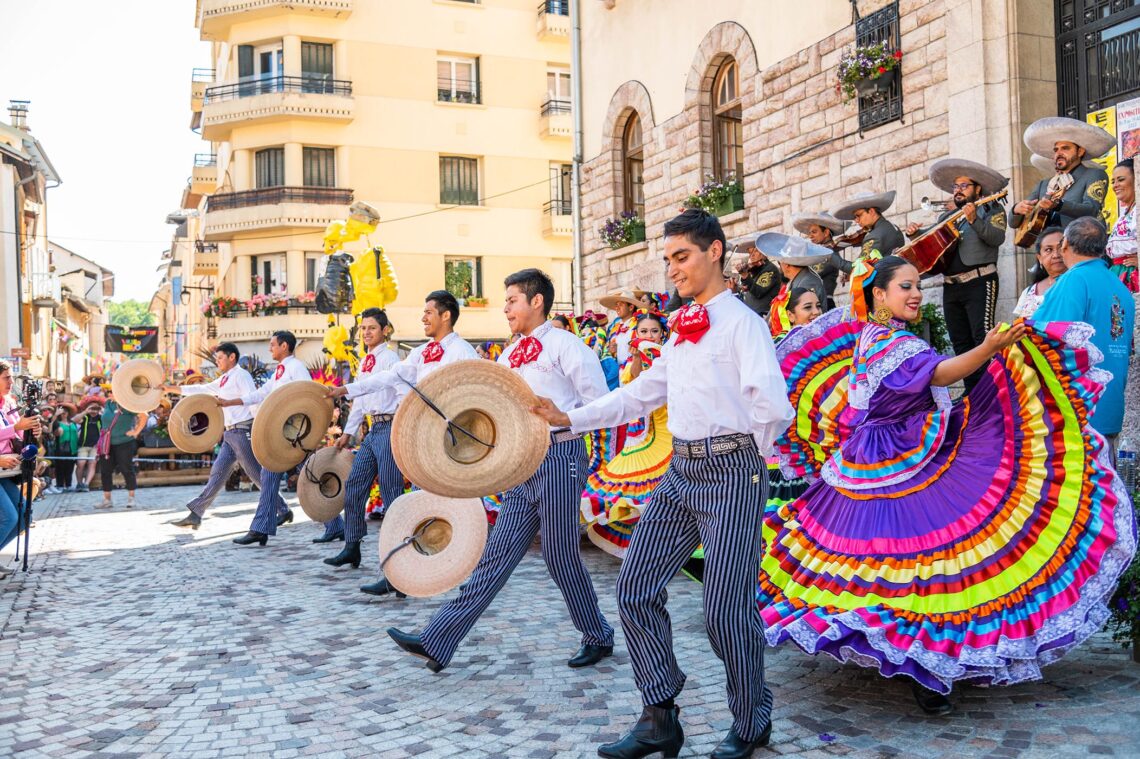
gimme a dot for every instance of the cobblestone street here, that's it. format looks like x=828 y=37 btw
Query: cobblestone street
x=133 y=637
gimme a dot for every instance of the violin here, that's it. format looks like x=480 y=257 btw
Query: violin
x=851 y=238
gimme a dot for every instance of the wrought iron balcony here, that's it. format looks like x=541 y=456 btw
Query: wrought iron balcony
x=270 y=208
x=458 y=90
x=203 y=160
x=305 y=84
x=555 y=120
x=275 y=195
x=553 y=20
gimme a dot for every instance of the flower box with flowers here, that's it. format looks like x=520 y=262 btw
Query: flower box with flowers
x=719 y=198
x=474 y=301
x=868 y=71
x=221 y=305
x=307 y=301
x=625 y=230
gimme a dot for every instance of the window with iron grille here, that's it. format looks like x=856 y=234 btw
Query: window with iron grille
x=459 y=181
x=876 y=109
x=318 y=167
x=1098 y=54
x=316 y=66
x=269 y=165
x=457 y=80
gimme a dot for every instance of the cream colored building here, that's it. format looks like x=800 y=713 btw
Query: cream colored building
x=451 y=117
x=709 y=87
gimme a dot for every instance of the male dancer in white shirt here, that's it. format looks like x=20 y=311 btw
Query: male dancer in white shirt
x=559 y=365
x=233 y=382
x=441 y=311
x=373 y=460
x=727 y=404
x=289 y=369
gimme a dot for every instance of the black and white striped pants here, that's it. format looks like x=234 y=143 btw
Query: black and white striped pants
x=373 y=461
x=719 y=502
x=235 y=450
x=549 y=500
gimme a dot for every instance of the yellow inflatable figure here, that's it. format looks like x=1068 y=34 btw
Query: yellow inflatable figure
x=336 y=342
x=362 y=220
x=374 y=282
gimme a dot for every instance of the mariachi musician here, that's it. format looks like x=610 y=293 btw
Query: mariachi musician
x=1075 y=190
x=970 y=283
x=821 y=228
x=878 y=236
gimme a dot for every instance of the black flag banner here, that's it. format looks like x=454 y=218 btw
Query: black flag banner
x=130 y=339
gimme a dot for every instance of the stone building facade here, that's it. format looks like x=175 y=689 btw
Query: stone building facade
x=974 y=74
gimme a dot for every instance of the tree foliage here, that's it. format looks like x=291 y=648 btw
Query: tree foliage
x=130 y=313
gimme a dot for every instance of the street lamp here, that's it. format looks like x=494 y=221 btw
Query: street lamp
x=186 y=292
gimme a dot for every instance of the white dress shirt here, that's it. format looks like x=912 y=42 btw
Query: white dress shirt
x=412 y=369
x=566 y=371
x=622 y=341
x=289 y=370
x=384 y=400
x=236 y=383
x=729 y=382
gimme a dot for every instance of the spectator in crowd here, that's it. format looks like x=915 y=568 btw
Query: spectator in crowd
x=12 y=427
x=560 y=321
x=88 y=421
x=123 y=428
x=1088 y=292
x=66 y=436
x=1050 y=265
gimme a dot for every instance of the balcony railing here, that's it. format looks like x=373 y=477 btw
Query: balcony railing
x=276 y=195
x=551 y=107
x=554 y=7
x=205 y=160
x=458 y=90
x=307 y=84
x=205 y=247
x=44 y=288
x=558 y=207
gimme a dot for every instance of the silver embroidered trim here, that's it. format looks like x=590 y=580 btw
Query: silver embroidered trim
x=897 y=354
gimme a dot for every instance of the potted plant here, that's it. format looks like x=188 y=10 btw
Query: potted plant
x=278 y=304
x=719 y=198
x=305 y=300
x=476 y=301
x=868 y=71
x=626 y=229
x=256 y=305
x=220 y=305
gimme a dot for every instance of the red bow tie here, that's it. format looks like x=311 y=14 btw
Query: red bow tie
x=692 y=323
x=225 y=379
x=433 y=352
x=369 y=363
x=525 y=352
x=280 y=371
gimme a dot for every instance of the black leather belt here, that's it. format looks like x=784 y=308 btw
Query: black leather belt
x=713 y=446
x=564 y=436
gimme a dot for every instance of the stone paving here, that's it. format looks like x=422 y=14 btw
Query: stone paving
x=133 y=637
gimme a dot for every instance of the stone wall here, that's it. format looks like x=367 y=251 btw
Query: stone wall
x=803 y=150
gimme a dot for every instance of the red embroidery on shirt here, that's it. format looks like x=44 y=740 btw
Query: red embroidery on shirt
x=369 y=363
x=433 y=352
x=525 y=352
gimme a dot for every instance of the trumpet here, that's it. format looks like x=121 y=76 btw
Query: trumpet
x=935 y=206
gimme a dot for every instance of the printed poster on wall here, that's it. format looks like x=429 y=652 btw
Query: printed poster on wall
x=1128 y=129
x=1106 y=119
x=130 y=339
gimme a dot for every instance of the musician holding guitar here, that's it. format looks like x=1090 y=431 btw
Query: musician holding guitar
x=969 y=266
x=1075 y=190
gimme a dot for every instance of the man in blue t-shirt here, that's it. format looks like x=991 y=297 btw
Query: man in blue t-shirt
x=1088 y=292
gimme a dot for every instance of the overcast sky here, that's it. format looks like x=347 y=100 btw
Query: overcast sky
x=109 y=83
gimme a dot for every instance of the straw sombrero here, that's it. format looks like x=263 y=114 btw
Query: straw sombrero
x=92 y=379
x=845 y=211
x=196 y=424
x=794 y=251
x=620 y=296
x=292 y=421
x=802 y=222
x=322 y=483
x=1043 y=134
x=491 y=402
x=137 y=385
x=944 y=171
x=446 y=549
x=195 y=379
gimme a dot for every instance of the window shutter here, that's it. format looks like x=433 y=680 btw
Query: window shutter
x=245 y=60
x=477 y=85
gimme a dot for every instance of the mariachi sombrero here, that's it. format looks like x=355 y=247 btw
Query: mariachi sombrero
x=845 y=211
x=802 y=222
x=137 y=385
x=321 y=485
x=944 y=171
x=430 y=544
x=489 y=401
x=196 y=424
x=794 y=251
x=290 y=423
x=1043 y=134
x=620 y=296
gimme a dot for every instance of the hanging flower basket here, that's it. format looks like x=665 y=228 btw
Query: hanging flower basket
x=719 y=198
x=867 y=71
x=877 y=87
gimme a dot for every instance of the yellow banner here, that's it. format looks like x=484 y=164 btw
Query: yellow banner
x=1105 y=118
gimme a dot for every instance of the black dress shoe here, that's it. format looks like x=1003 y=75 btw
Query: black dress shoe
x=329 y=538
x=190 y=520
x=590 y=654
x=412 y=644
x=656 y=730
x=735 y=747
x=381 y=588
x=931 y=701
x=350 y=554
x=285 y=518
x=252 y=537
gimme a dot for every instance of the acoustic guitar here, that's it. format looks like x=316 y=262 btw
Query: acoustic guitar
x=927 y=250
x=1037 y=219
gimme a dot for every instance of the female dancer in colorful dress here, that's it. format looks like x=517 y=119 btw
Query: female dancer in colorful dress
x=977 y=541
x=616 y=492
x=1122 y=249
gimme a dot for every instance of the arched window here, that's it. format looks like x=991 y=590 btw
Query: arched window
x=632 y=164
x=728 y=135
